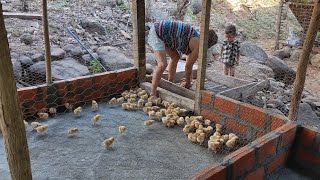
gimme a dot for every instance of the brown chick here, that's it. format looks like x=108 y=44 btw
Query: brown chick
x=149 y=122
x=72 y=131
x=122 y=129
x=42 y=129
x=108 y=142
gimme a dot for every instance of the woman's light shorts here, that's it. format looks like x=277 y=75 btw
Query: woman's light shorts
x=154 y=41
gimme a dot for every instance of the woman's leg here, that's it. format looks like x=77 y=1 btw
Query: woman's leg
x=161 y=67
x=175 y=56
x=191 y=59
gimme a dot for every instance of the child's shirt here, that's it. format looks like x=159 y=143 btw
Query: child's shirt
x=230 y=52
x=176 y=34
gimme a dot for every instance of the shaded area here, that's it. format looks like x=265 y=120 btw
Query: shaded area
x=166 y=152
x=292 y=174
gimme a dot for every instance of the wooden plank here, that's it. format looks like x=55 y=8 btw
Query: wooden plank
x=254 y=89
x=180 y=75
x=278 y=25
x=299 y=82
x=203 y=47
x=45 y=27
x=167 y=85
x=226 y=80
x=139 y=38
x=22 y=15
x=11 y=116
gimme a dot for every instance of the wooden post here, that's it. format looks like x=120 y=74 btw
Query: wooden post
x=11 y=117
x=139 y=39
x=46 y=41
x=303 y=61
x=278 y=25
x=203 y=47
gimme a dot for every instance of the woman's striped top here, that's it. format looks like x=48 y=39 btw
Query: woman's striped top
x=176 y=34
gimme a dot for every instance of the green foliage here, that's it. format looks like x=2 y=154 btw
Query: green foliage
x=95 y=66
x=123 y=7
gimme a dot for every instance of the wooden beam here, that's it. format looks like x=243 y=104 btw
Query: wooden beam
x=167 y=85
x=203 y=47
x=11 y=116
x=278 y=25
x=303 y=61
x=229 y=81
x=139 y=39
x=46 y=41
x=22 y=15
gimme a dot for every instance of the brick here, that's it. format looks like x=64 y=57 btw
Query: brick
x=125 y=74
x=213 y=172
x=235 y=126
x=277 y=162
x=105 y=78
x=211 y=115
x=277 y=121
x=27 y=93
x=256 y=175
x=307 y=156
x=242 y=162
x=307 y=136
x=253 y=115
x=266 y=147
x=206 y=97
x=288 y=133
x=260 y=134
x=225 y=104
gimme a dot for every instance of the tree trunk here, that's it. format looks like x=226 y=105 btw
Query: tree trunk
x=11 y=117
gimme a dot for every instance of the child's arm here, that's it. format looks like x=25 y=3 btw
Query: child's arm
x=221 y=52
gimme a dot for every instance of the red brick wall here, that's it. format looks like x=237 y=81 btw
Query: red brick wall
x=257 y=160
x=242 y=118
x=76 y=91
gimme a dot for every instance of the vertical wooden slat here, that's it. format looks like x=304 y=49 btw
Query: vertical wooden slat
x=298 y=85
x=139 y=40
x=46 y=41
x=11 y=117
x=278 y=25
x=203 y=47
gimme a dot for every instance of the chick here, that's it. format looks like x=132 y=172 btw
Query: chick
x=180 y=121
x=164 y=120
x=145 y=97
x=199 y=118
x=148 y=104
x=151 y=99
x=163 y=112
x=140 y=103
x=34 y=125
x=68 y=106
x=43 y=110
x=217 y=134
x=207 y=122
x=78 y=111
x=53 y=111
x=156 y=108
x=188 y=120
x=43 y=115
x=142 y=93
x=25 y=124
x=158 y=115
x=121 y=129
x=166 y=104
x=187 y=128
x=148 y=122
x=218 y=127
x=225 y=137
x=139 y=90
x=114 y=101
x=182 y=112
x=94 y=105
x=214 y=145
x=120 y=100
x=200 y=138
x=132 y=100
x=95 y=119
x=126 y=106
x=192 y=137
x=147 y=109
x=231 y=142
x=151 y=113
x=42 y=129
x=108 y=142
x=208 y=129
x=124 y=93
x=72 y=131
x=132 y=106
x=157 y=101
x=133 y=96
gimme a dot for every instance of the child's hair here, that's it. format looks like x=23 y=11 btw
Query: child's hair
x=231 y=29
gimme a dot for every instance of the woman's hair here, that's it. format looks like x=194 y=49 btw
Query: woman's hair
x=231 y=29
x=212 y=38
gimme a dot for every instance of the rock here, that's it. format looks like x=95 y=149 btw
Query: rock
x=37 y=57
x=295 y=55
x=17 y=69
x=34 y=24
x=77 y=51
x=254 y=70
x=278 y=104
x=282 y=72
x=250 y=49
x=283 y=53
x=25 y=61
x=26 y=38
x=274 y=111
x=87 y=57
x=149 y=69
x=69 y=47
x=111 y=3
x=64 y=69
x=113 y=59
x=151 y=59
x=315 y=60
x=196 y=6
x=93 y=26
x=306 y=115
x=312 y=101
x=57 y=53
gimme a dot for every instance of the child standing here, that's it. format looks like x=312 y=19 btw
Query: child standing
x=230 y=50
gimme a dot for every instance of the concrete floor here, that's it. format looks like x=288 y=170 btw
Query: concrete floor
x=156 y=152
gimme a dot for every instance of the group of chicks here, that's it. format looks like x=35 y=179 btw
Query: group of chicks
x=216 y=140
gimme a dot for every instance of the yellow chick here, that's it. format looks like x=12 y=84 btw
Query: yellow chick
x=133 y=96
x=180 y=121
x=43 y=115
x=132 y=100
x=164 y=120
x=124 y=93
x=34 y=125
x=214 y=145
x=132 y=106
x=218 y=127
x=140 y=103
x=200 y=138
x=192 y=137
x=225 y=137
x=188 y=120
x=151 y=113
x=207 y=122
x=95 y=119
x=156 y=108
x=126 y=106
x=145 y=97
x=157 y=101
x=141 y=93
x=78 y=111
x=231 y=135
x=108 y=142
x=158 y=115
x=94 y=105
x=166 y=104
x=113 y=101
x=208 y=129
x=217 y=134
x=231 y=143
x=72 y=131
x=151 y=99
x=25 y=124
x=163 y=112
x=53 y=111
x=146 y=109
x=148 y=104
x=120 y=100
x=187 y=128
x=148 y=122
x=121 y=129
x=42 y=129
x=68 y=106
